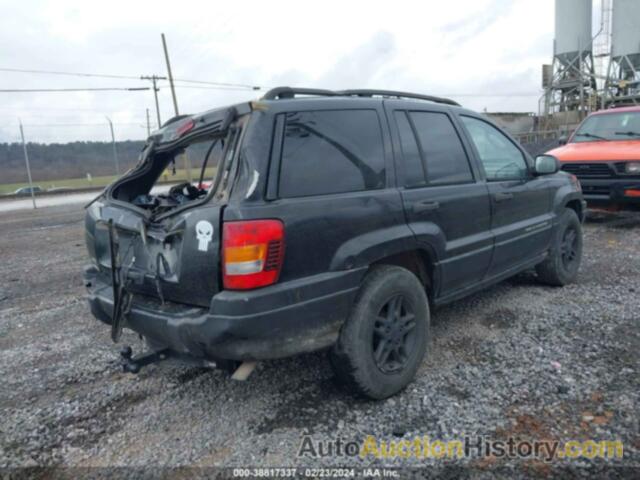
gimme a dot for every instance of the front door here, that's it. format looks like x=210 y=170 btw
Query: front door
x=520 y=202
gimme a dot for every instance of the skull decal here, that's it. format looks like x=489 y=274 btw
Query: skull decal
x=204 y=232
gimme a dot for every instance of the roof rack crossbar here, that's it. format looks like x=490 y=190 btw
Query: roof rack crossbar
x=289 y=92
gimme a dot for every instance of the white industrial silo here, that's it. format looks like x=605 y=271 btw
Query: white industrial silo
x=625 y=40
x=573 y=29
x=623 y=77
x=572 y=86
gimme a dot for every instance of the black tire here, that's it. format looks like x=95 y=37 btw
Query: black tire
x=390 y=318
x=562 y=264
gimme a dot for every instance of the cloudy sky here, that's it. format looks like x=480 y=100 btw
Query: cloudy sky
x=484 y=53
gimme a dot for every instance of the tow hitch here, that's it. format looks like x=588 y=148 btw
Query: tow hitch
x=133 y=365
x=130 y=364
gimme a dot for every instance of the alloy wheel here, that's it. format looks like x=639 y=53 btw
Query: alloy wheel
x=393 y=335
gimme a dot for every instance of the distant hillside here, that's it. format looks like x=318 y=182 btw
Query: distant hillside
x=57 y=161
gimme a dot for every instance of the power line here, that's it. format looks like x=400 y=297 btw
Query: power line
x=482 y=95
x=128 y=77
x=71 y=74
x=221 y=84
x=58 y=117
x=100 y=89
x=235 y=89
x=135 y=89
x=51 y=109
x=36 y=125
x=229 y=86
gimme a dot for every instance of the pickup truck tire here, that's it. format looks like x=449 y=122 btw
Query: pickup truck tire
x=384 y=340
x=562 y=264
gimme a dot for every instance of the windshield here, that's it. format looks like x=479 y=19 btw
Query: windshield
x=609 y=126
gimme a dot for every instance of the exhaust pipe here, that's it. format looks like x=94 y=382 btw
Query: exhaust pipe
x=243 y=371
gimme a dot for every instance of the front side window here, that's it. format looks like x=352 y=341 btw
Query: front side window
x=609 y=126
x=331 y=151
x=501 y=159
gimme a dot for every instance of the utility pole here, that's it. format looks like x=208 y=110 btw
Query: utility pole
x=173 y=89
x=148 y=124
x=187 y=161
x=154 y=79
x=113 y=144
x=26 y=161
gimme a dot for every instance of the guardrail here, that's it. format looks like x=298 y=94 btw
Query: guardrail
x=531 y=137
x=541 y=141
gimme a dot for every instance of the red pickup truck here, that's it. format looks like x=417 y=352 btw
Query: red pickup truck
x=604 y=153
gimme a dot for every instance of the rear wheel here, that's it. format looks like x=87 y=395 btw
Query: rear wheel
x=384 y=340
x=562 y=264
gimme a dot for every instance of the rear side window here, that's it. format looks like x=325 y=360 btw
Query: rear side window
x=445 y=158
x=331 y=151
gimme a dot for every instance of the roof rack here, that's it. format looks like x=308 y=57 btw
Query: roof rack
x=393 y=93
x=289 y=92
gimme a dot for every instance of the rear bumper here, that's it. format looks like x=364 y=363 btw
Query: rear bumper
x=610 y=191
x=273 y=322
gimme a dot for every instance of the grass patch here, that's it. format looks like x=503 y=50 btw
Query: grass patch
x=167 y=176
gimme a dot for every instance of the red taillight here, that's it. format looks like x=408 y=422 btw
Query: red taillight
x=252 y=253
x=632 y=193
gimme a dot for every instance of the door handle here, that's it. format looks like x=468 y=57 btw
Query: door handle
x=503 y=196
x=425 y=206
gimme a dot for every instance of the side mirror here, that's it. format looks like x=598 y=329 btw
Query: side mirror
x=562 y=140
x=546 y=165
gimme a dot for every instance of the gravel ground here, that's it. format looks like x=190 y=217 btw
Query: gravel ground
x=518 y=359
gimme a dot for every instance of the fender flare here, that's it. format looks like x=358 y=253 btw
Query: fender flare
x=563 y=196
x=371 y=247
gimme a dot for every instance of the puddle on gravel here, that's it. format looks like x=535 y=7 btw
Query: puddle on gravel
x=324 y=404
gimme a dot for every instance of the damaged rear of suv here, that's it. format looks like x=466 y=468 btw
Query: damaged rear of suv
x=327 y=219
x=187 y=269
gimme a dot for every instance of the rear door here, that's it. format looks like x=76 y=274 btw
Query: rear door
x=520 y=202
x=331 y=183
x=441 y=193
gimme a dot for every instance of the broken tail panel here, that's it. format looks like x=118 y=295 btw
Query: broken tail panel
x=174 y=260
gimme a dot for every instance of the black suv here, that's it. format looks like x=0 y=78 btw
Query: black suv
x=332 y=219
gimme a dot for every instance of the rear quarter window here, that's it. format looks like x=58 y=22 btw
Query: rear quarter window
x=331 y=151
